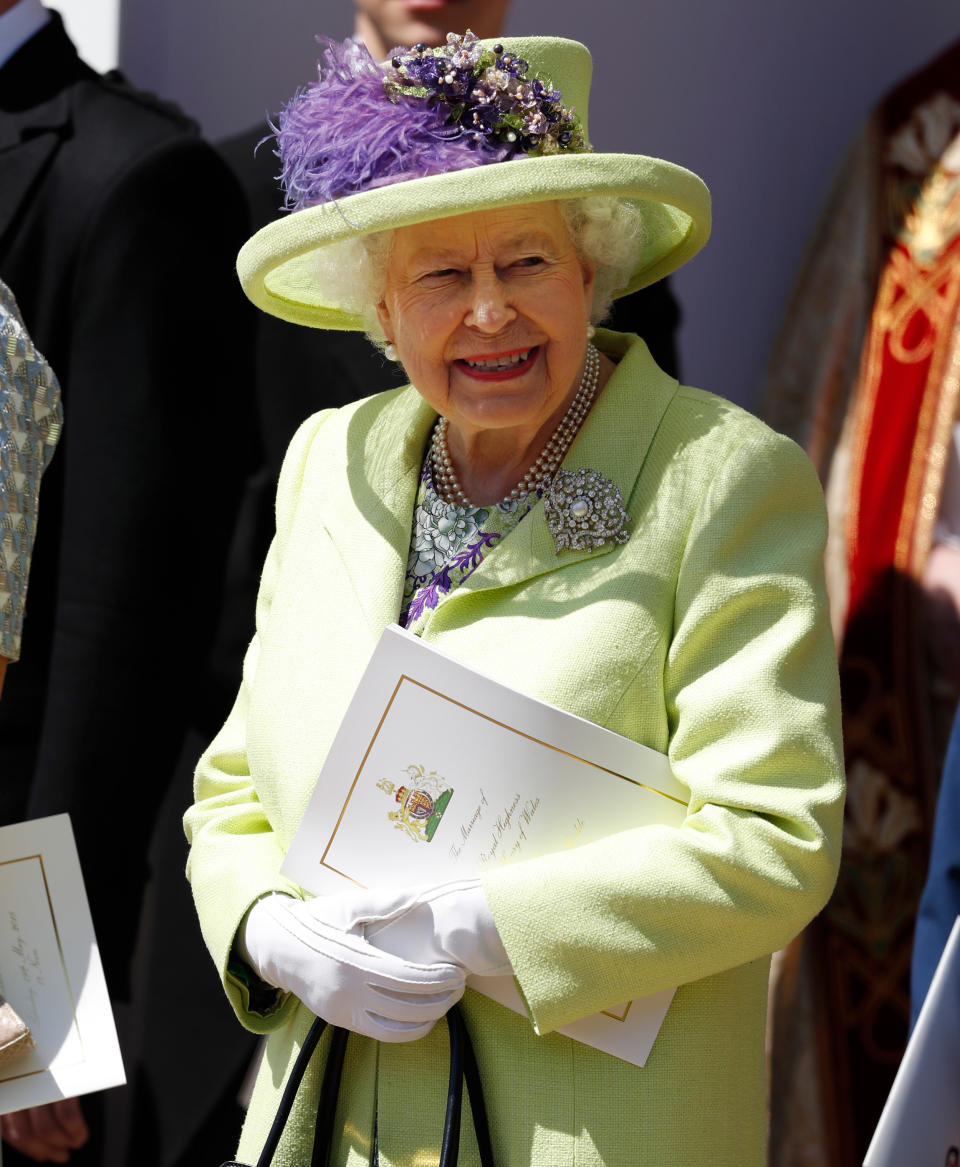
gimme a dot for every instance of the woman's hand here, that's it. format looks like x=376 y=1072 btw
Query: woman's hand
x=306 y=948
x=46 y=1134
x=437 y=922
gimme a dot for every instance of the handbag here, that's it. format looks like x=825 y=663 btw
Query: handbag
x=15 y=1036
x=463 y=1069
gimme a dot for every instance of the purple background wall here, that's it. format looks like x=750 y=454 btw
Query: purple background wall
x=759 y=97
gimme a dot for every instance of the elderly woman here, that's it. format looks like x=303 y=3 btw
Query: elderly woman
x=448 y=202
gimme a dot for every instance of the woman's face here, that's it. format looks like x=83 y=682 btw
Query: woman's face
x=488 y=313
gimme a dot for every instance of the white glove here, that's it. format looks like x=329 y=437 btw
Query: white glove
x=438 y=922
x=299 y=947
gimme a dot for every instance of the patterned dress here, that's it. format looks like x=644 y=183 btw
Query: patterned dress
x=448 y=543
x=30 y=420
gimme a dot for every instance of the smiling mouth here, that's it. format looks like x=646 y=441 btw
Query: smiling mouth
x=501 y=365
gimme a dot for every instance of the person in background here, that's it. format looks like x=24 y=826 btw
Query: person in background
x=118 y=228
x=863 y=376
x=30 y=420
x=31 y=417
x=940 y=902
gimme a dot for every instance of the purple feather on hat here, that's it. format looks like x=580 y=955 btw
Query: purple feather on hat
x=344 y=133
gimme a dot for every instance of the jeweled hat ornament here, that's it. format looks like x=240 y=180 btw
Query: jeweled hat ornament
x=437 y=132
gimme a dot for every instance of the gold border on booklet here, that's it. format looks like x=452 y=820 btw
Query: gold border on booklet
x=63 y=964
x=356 y=778
x=477 y=713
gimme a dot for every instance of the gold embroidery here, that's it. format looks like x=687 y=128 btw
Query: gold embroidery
x=915 y=537
x=907 y=290
x=933 y=222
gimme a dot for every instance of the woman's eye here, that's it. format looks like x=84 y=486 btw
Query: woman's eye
x=441 y=273
x=530 y=261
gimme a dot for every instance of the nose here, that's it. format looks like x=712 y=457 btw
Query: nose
x=490 y=309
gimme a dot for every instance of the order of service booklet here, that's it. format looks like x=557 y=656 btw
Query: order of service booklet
x=50 y=969
x=920 y=1122
x=407 y=796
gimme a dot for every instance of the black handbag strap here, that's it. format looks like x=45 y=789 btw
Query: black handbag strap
x=329 y=1095
x=290 y=1092
x=463 y=1067
x=450 y=1143
x=471 y=1074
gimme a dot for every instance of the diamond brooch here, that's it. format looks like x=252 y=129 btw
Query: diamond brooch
x=584 y=510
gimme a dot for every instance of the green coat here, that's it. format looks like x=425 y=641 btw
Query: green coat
x=705 y=636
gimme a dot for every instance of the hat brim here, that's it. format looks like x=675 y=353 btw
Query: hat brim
x=275 y=265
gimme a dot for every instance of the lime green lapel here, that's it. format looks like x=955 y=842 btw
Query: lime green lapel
x=368 y=509
x=614 y=441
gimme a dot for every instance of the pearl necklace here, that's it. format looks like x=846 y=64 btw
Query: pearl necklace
x=541 y=473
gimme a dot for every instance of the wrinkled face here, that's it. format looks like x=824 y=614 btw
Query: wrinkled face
x=405 y=22
x=488 y=312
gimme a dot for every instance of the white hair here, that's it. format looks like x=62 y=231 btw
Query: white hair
x=607 y=232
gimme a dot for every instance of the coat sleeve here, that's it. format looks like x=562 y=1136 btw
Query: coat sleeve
x=751 y=693
x=234 y=856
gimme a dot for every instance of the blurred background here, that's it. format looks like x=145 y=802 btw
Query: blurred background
x=759 y=97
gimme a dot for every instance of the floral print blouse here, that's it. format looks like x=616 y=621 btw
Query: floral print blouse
x=448 y=543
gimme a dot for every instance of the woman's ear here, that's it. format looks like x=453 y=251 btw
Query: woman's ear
x=589 y=271
x=383 y=315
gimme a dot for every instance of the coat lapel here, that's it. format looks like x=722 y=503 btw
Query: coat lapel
x=369 y=512
x=22 y=162
x=35 y=112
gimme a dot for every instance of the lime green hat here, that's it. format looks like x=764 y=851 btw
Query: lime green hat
x=435 y=133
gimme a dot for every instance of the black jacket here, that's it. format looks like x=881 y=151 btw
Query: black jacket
x=119 y=228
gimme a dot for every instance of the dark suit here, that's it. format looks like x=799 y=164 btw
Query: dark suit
x=119 y=228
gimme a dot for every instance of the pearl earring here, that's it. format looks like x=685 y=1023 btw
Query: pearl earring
x=591 y=332
x=390 y=352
